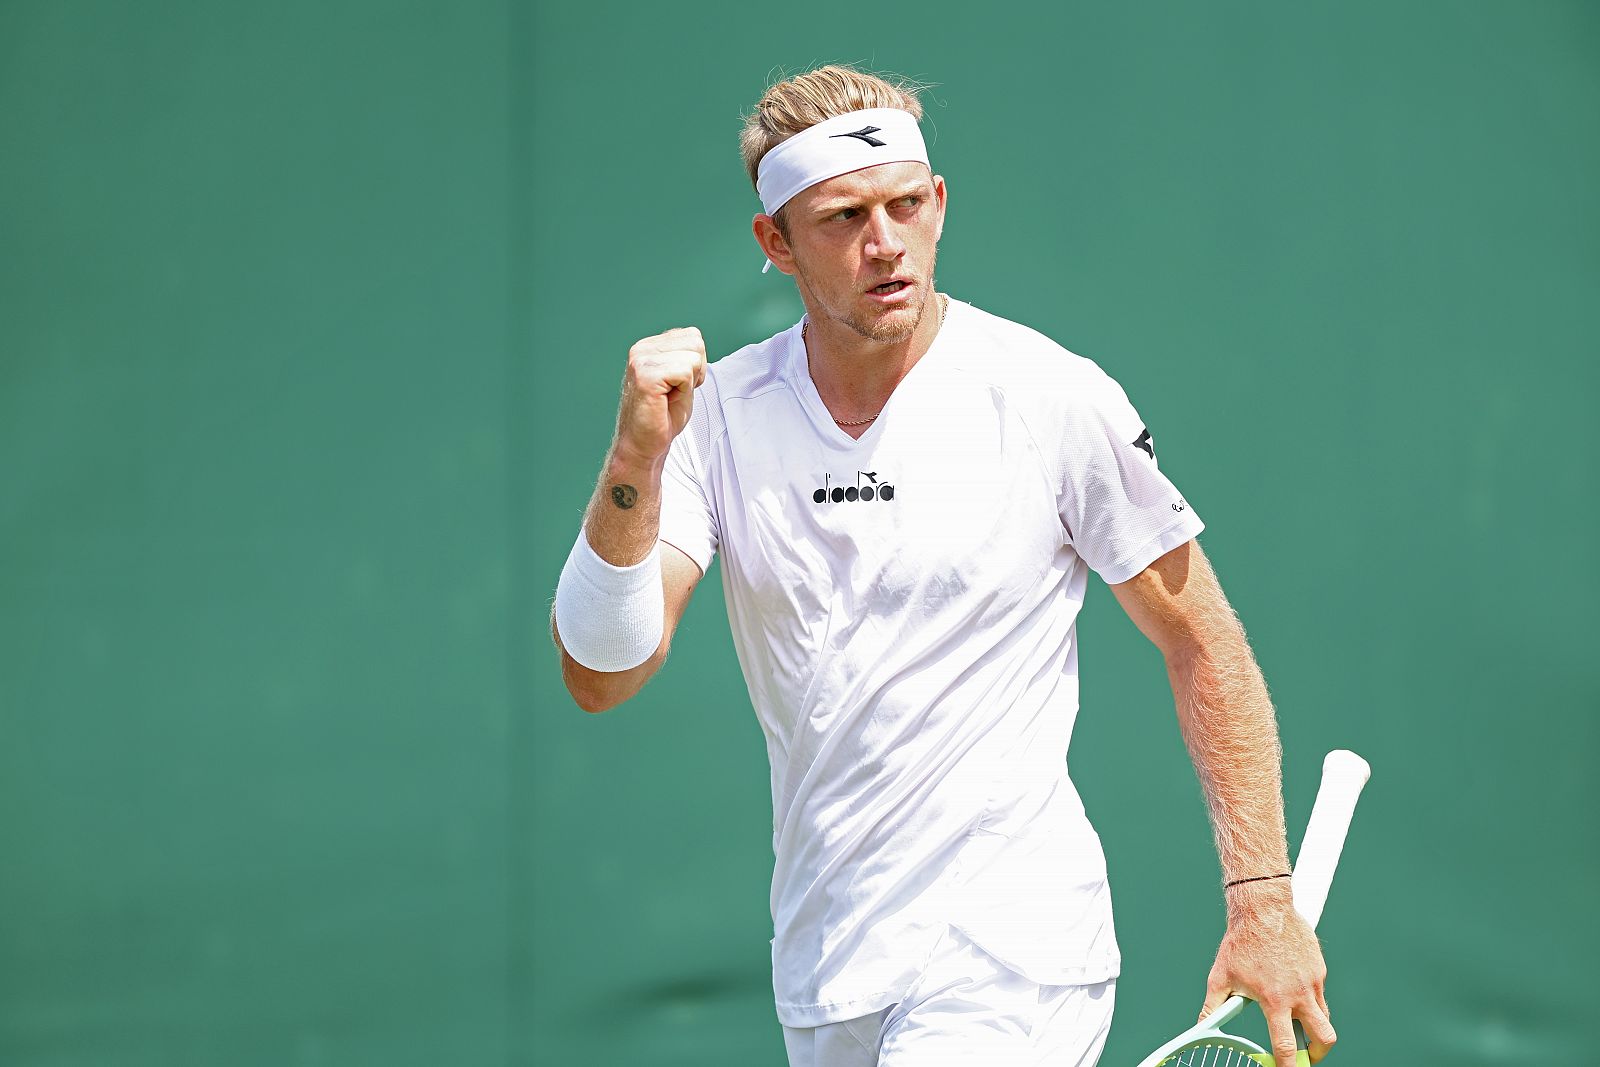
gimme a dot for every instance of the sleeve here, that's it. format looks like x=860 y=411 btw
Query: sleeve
x=1119 y=511
x=688 y=520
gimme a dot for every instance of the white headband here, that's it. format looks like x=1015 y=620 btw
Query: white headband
x=837 y=146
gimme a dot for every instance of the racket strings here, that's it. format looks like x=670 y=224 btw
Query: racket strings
x=1211 y=1056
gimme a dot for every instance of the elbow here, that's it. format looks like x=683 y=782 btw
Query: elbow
x=1183 y=650
x=1223 y=641
x=589 y=689
x=591 y=700
x=593 y=691
x=597 y=691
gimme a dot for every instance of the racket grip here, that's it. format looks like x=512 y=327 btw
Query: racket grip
x=1343 y=775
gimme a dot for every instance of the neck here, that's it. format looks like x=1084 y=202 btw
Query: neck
x=855 y=375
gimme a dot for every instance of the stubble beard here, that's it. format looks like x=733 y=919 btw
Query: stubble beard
x=891 y=329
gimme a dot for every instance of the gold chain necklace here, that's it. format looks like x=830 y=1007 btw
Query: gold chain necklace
x=944 y=309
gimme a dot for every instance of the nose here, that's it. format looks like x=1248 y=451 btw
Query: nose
x=883 y=236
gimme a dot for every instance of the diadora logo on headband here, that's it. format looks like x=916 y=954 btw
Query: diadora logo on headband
x=865 y=134
x=799 y=162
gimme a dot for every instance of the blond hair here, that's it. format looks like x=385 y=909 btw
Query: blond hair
x=801 y=102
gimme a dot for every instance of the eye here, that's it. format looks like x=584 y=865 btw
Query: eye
x=844 y=214
x=913 y=201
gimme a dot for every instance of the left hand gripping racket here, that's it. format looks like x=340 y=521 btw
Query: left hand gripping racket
x=1205 y=1045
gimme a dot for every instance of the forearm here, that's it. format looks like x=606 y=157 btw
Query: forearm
x=1232 y=735
x=623 y=520
x=622 y=525
x=1268 y=952
x=620 y=596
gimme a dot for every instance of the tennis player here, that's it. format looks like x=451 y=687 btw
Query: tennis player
x=908 y=494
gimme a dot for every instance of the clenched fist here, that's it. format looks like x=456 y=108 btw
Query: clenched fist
x=658 y=393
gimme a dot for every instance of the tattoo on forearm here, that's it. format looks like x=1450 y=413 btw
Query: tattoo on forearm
x=624 y=496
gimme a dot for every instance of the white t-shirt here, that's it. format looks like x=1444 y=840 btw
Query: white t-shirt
x=903 y=609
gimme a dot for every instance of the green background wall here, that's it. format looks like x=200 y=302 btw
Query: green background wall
x=311 y=322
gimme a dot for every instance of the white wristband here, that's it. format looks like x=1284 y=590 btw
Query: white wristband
x=610 y=618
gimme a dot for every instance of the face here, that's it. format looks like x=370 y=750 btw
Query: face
x=861 y=247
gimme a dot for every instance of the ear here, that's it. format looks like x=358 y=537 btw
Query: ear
x=941 y=195
x=773 y=246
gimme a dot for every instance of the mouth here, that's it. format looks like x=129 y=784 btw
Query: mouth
x=893 y=291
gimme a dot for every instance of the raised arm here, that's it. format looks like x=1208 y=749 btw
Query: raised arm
x=1268 y=953
x=617 y=620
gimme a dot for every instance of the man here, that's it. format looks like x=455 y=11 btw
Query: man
x=908 y=494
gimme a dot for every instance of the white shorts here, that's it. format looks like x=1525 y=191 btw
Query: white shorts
x=967 y=1008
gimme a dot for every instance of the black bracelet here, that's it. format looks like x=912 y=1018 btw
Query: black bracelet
x=1257 y=878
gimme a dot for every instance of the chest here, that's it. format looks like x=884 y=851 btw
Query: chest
x=946 y=501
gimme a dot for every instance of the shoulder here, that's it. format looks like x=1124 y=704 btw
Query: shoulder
x=751 y=370
x=744 y=374
x=1033 y=372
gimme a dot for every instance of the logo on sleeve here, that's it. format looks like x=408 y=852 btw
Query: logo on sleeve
x=863 y=134
x=1146 y=442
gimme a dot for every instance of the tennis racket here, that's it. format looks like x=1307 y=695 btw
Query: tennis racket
x=1205 y=1045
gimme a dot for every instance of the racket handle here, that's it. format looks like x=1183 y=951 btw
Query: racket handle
x=1343 y=775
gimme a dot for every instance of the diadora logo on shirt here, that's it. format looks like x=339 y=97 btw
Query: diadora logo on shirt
x=840 y=494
